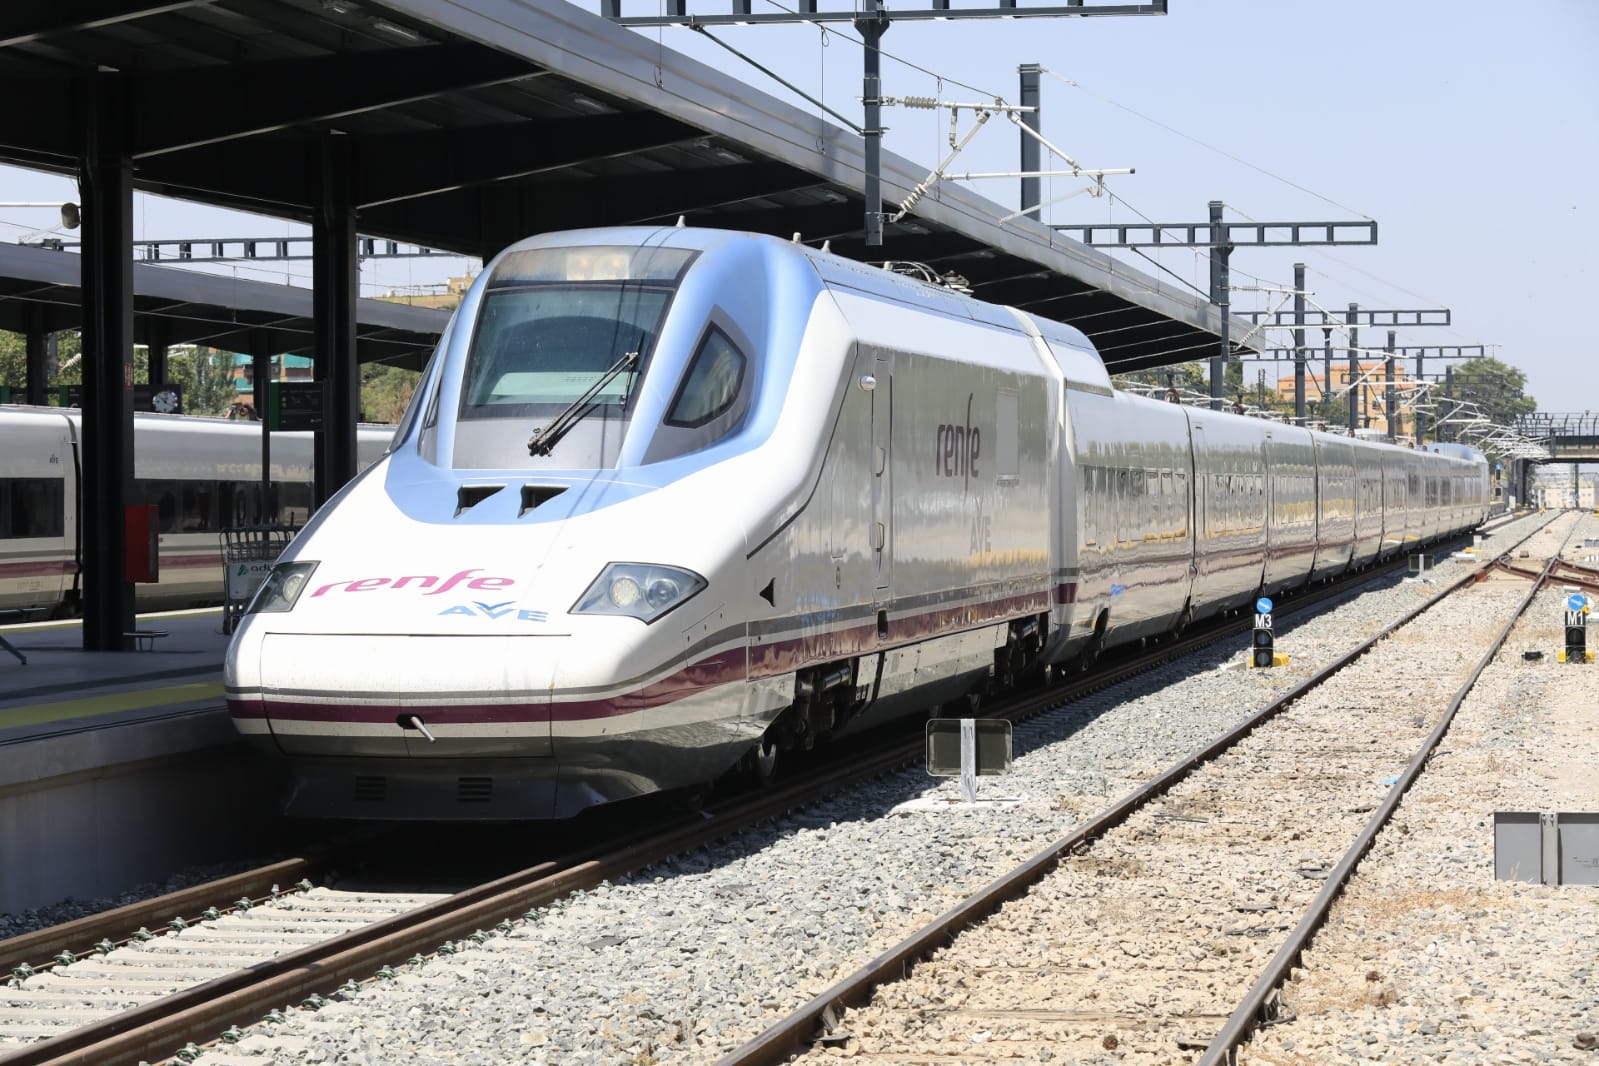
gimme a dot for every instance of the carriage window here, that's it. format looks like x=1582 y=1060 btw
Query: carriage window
x=31 y=507
x=711 y=383
x=1007 y=423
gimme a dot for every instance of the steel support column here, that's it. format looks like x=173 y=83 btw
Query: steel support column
x=1032 y=155
x=872 y=24
x=1420 y=397
x=1299 y=345
x=1449 y=394
x=1354 y=369
x=155 y=339
x=1388 y=371
x=36 y=372
x=261 y=372
x=1220 y=295
x=106 y=177
x=1326 y=377
x=335 y=278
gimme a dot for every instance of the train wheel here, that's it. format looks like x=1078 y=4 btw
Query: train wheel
x=760 y=764
x=1088 y=658
x=1184 y=620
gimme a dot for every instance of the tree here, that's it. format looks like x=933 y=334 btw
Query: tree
x=206 y=375
x=1333 y=410
x=1496 y=389
x=14 y=361
x=385 y=390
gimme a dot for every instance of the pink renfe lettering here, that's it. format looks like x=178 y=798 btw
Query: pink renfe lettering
x=418 y=581
x=366 y=583
x=451 y=581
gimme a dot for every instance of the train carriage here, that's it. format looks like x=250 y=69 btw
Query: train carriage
x=1230 y=510
x=202 y=474
x=670 y=502
x=38 y=509
x=1336 y=501
x=1136 y=545
x=1290 y=456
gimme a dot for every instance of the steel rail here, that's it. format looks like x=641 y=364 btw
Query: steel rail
x=795 y=1033
x=198 y=1013
x=43 y=947
x=1252 y=1010
x=162 y=1027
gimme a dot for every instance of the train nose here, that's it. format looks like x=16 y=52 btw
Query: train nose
x=469 y=696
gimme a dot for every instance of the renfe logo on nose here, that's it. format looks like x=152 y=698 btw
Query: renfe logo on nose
x=420 y=581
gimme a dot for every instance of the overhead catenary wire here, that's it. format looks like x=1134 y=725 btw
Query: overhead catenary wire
x=1203 y=144
x=790 y=86
x=1243 y=162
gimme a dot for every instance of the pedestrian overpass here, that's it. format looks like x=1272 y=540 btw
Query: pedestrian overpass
x=1569 y=438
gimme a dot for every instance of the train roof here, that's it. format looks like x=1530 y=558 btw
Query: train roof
x=1072 y=348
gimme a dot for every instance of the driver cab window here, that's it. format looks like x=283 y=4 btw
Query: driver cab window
x=711 y=384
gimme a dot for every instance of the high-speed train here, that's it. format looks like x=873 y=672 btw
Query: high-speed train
x=668 y=502
x=203 y=474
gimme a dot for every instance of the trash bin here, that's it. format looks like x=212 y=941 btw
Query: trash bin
x=248 y=553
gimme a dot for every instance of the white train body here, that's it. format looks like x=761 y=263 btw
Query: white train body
x=203 y=475
x=814 y=495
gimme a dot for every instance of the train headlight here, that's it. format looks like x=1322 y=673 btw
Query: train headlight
x=281 y=588
x=639 y=590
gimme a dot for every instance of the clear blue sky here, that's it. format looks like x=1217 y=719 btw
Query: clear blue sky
x=1468 y=130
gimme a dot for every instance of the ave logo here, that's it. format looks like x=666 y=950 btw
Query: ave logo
x=496 y=611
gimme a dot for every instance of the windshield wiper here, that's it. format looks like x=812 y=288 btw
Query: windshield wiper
x=547 y=438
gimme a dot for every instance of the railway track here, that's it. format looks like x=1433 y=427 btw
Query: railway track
x=200 y=1011
x=1202 y=888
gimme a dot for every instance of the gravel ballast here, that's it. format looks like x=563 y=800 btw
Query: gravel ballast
x=688 y=959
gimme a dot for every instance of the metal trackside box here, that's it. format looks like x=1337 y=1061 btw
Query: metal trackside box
x=944 y=746
x=1552 y=847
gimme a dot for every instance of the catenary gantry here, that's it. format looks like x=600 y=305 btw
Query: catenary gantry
x=464 y=125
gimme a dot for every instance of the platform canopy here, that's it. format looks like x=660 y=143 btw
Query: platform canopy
x=473 y=123
x=39 y=288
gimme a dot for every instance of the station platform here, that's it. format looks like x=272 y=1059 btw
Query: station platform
x=60 y=684
x=118 y=767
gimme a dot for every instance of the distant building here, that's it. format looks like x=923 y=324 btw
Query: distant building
x=284 y=368
x=1554 y=487
x=454 y=289
x=1372 y=392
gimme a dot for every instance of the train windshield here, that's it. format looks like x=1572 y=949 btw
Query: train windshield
x=555 y=321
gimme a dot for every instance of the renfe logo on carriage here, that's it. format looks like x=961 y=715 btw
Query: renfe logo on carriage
x=958 y=448
x=432 y=584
